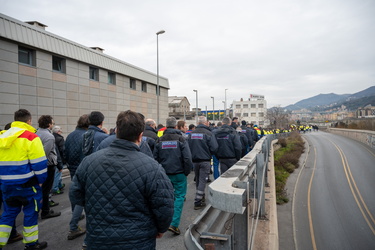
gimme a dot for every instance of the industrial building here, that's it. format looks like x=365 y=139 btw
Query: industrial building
x=50 y=75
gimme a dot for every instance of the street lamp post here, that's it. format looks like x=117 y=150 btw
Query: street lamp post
x=225 y=104
x=157 y=73
x=196 y=106
x=213 y=108
x=224 y=110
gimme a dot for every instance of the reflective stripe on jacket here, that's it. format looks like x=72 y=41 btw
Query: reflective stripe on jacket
x=21 y=155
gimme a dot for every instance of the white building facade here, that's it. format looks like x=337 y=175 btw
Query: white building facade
x=253 y=110
x=50 y=75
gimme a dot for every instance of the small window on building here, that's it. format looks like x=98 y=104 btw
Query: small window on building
x=260 y=106
x=246 y=106
x=253 y=114
x=245 y=114
x=58 y=64
x=133 y=84
x=26 y=56
x=261 y=114
x=94 y=74
x=253 y=106
x=111 y=78
x=261 y=123
x=144 y=86
x=238 y=114
x=238 y=106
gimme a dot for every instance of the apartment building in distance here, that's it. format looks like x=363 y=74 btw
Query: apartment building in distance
x=47 y=74
x=253 y=110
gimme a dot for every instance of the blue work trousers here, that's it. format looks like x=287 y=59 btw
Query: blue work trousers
x=17 y=198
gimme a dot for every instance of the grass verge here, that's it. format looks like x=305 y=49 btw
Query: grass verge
x=286 y=161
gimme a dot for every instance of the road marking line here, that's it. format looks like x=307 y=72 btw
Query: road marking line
x=309 y=205
x=351 y=180
x=295 y=195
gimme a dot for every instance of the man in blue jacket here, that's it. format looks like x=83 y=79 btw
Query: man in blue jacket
x=173 y=153
x=127 y=196
x=202 y=146
x=94 y=135
x=74 y=156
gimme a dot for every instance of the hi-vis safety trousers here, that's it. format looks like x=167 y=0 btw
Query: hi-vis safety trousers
x=15 y=198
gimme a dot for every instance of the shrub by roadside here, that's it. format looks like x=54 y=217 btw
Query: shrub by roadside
x=286 y=161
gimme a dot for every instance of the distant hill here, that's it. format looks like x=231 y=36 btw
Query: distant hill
x=353 y=103
x=331 y=101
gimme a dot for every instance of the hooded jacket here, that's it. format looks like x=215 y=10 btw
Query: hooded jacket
x=229 y=143
x=22 y=155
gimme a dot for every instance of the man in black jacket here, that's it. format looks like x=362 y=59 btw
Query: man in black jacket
x=230 y=148
x=150 y=133
x=246 y=130
x=127 y=196
x=202 y=146
x=173 y=153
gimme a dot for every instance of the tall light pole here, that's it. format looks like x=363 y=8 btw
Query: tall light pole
x=224 y=110
x=196 y=106
x=225 y=104
x=157 y=73
x=213 y=108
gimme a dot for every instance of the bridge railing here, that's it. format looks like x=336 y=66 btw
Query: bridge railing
x=237 y=202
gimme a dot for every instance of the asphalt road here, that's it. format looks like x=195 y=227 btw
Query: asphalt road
x=332 y=203
x=55 y=230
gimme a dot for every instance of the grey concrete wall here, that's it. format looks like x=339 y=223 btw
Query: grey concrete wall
x=365 y=136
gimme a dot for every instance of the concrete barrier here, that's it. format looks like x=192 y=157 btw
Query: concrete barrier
x=365 y=136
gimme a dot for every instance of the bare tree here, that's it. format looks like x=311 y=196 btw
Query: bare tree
x=277 y=117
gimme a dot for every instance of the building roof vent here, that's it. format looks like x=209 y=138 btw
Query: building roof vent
x=37 y=24
x=98 y=49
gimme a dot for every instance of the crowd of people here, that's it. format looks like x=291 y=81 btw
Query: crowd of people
x=129 y=182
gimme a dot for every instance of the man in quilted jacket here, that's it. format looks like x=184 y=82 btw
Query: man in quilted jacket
x=127 y=196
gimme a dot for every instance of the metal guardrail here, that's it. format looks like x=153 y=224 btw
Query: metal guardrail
x=237 y=202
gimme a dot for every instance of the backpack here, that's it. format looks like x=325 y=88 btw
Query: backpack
x=88 y=142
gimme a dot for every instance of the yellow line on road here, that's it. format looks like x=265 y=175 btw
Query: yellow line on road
x=309 y=205
x=351 y=180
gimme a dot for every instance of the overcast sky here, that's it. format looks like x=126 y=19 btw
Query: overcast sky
x=286 y=50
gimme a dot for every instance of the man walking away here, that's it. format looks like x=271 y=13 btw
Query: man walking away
x=202 y=145
x=138 y=206
x=230 y=148
x=94 y=135
x=23 y=168
x=44 y=132
x=74 y=156
x=173 y=153
x=150 y=132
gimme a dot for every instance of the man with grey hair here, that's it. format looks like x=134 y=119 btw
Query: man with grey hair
x=150 y=132
x=230 y=148
x=173 y=153
x=202 y=145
